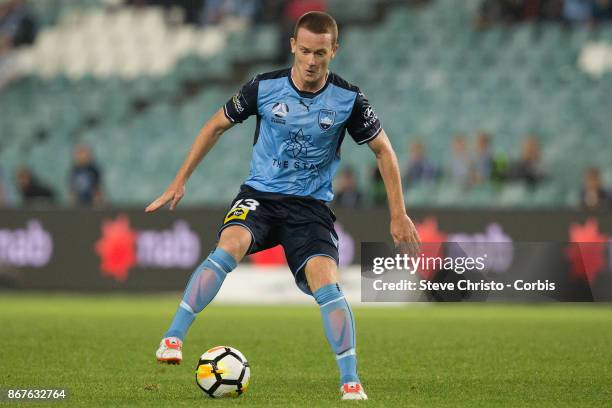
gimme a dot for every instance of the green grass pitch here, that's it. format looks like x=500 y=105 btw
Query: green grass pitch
x=102 y=349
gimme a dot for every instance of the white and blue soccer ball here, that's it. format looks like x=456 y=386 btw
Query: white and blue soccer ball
x=223 y=372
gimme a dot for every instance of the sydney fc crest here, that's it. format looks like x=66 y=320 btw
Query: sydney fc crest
x=326 y=118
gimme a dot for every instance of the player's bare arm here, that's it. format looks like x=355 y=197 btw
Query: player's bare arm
x=205 y=140
x=402 y=229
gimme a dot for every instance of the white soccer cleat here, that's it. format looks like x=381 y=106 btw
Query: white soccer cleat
x=169 y=351
x=353 y=391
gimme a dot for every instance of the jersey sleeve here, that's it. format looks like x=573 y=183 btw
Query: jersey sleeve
x=244 y=103
x=363 y=124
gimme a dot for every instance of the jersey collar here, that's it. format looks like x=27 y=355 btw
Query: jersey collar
x=306 y=94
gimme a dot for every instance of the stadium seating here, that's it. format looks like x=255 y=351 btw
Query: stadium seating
x=426 y=71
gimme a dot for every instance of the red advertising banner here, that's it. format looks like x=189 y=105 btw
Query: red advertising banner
x=130 y=250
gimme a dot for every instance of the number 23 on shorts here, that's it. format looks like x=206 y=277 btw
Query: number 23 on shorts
x=240 y=209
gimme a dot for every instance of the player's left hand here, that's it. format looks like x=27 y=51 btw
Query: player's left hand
x=405 y=235
x=173 y=194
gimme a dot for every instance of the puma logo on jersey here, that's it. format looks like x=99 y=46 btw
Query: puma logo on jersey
x=304 y=105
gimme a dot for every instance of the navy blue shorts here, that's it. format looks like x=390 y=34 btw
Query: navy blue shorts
x=303 y=226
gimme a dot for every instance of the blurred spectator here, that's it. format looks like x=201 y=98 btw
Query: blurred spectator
x=495 y=12
x=550 y=10
x=483 y=162
x=294 y=9
x=347 y=192
x=190 y=9
x=7 y=189
x=602 y=10
x=578 y=11
x=378 y=193
x=488 y=166
x=3 y=198
x=586 y=11
x=528 y=167
x=593 y=195
x=271 y=11
x=499 y=12
x=420 y=169
x=32 y=190
x=220 y=11
x=85 y=181
x=17 y=25
x=460 y=163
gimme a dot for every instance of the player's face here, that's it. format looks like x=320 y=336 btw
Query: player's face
x=313 y=53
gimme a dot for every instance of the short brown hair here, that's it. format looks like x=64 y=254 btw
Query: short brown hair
x=317 y=22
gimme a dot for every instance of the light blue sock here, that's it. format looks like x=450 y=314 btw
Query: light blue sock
x=339 y=328
x=201 y=289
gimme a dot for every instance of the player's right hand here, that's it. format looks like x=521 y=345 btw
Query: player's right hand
x=173 y=194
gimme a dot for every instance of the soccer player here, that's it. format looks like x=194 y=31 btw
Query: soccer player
x=302 y=115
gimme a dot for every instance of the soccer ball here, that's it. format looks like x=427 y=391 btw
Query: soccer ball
x=223 y=372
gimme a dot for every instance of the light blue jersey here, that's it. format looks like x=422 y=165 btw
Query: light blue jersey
x=297 y=142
